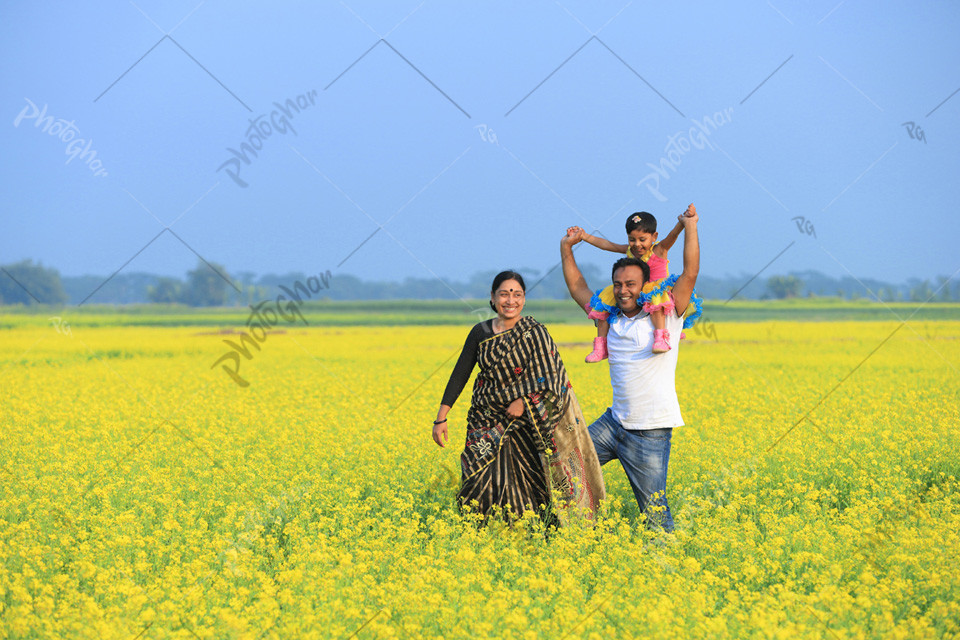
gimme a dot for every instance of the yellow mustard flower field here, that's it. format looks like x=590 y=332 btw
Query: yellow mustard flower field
x=145 y=493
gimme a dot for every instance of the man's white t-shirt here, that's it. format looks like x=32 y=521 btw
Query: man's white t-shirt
x=644 y=389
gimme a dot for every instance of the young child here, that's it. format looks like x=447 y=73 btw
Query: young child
x=657 y=296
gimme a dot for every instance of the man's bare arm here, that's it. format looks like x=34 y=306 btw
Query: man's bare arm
x=576 y=283
x=683 y=288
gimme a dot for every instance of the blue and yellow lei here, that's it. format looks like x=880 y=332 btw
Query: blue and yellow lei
x=599 y=304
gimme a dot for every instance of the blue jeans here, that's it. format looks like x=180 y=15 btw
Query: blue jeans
x=644 y=456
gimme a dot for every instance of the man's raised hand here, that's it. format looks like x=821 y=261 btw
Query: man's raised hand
x=574 y=235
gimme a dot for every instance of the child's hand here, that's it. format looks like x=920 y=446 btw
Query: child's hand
x=689 y=216
x=569 y=238
x=691 y=211
x=575 y=234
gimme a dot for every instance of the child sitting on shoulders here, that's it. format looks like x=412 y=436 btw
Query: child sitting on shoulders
x=657 y=292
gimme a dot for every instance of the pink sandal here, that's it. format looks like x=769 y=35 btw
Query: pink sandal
x=599 y=350
x=661 y=342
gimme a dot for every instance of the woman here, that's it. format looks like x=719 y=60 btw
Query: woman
x=525 y=433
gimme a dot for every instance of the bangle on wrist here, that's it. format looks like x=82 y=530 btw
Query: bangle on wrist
x=436 y=422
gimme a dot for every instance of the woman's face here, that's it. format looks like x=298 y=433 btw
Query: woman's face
x=508 y=299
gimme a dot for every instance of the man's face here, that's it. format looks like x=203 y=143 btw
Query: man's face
x=627 y=285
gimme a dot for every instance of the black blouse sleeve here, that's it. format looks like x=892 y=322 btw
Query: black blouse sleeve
x=464 y=367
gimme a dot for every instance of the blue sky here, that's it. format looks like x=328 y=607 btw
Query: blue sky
x=446 y=138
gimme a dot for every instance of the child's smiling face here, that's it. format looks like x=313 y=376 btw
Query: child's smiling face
x=641 y=241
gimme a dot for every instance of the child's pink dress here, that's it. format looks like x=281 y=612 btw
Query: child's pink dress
x=656 y=296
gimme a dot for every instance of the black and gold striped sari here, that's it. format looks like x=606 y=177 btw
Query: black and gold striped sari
x=520 y=464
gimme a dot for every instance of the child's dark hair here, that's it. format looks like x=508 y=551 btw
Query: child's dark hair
x=627 y=262
x=502 y=277
x=643 y=221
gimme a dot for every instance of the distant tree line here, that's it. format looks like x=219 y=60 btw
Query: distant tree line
x=27 y=283
x=209 y=284
x=206 y=286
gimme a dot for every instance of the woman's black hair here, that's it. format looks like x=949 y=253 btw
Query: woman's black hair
x=643 y=221
x=627 y=262
x=502 y=277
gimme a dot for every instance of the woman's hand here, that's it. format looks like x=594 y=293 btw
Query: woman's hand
x=440 y=431
x=515 y=410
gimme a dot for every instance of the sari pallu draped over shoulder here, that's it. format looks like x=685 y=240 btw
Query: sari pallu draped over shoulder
x=520 y=464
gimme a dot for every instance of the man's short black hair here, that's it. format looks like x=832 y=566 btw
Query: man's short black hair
x=627 y=262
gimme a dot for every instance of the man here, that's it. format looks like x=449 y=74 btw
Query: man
x=636 y=429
